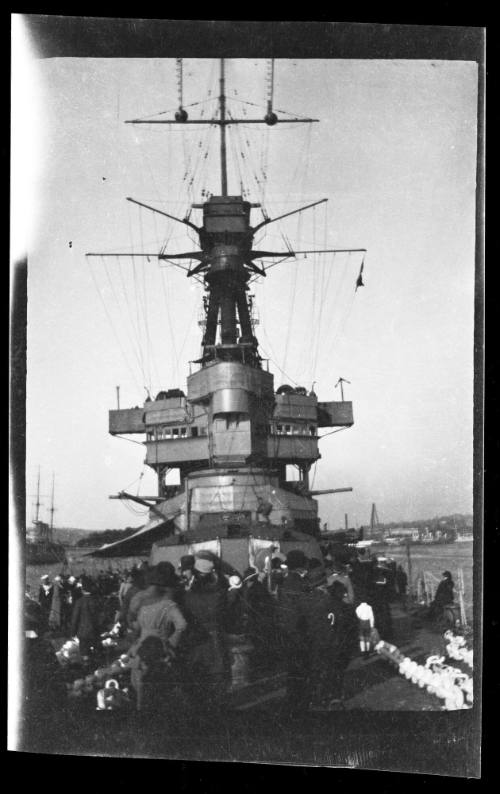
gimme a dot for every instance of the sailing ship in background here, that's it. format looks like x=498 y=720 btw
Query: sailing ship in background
x=232 y=435
x=40 y=547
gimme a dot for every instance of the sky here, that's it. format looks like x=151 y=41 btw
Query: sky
x=395 y=154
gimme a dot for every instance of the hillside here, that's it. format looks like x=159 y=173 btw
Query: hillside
x=70 y=536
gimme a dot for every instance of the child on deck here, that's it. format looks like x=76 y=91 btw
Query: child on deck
x=366 y=621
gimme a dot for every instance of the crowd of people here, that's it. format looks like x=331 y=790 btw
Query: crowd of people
x=306 y=617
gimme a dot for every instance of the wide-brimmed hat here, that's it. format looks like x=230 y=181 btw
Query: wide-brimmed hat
x=186 y=562
x=44 y=577
x=205 y=554
x=202 y=565
x=296 y=559
x=87 y=584
x=338 y=590
x=162 y=575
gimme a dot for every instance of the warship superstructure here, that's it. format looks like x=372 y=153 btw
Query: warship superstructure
x=232 y=433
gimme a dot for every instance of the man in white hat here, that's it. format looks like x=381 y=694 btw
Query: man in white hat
x=235 y=617
x=45 y=599
x=204 y=605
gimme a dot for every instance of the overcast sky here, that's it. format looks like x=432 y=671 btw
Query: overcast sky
x=394 y=153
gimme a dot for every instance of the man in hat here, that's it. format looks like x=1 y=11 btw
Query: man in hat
x=204 y=606
x=85 y=621
x=339 y=573
x=333 y=639
x=152 y=593
x=293 y=616
x=379 y=600
x=260 y=616
x=186 y=571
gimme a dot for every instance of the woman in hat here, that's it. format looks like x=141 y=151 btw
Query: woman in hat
x=161 y=618
x=152 y=592
x=159 y=623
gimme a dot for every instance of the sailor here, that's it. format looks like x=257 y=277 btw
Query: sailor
x=45 y=599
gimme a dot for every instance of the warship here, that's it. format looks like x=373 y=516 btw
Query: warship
x=232 y=434
x=40 y=546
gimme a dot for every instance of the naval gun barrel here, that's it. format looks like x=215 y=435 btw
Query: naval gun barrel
x=329 y=490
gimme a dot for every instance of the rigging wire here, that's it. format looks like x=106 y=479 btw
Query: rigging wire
x=330 y=267
x=169 y=322
x=266 y=355
x=290 y=313
x=134 y=340
x=134 y=377
x=150 y=352
x=134 y=274
x=122 y=324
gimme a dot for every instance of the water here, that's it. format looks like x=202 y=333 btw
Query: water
x=77 y=564
x=432 y=558
x=436 y=559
